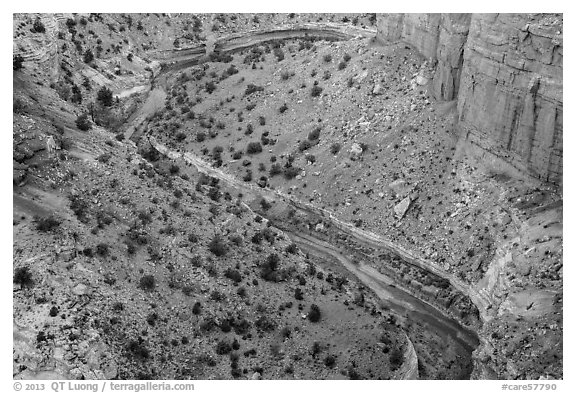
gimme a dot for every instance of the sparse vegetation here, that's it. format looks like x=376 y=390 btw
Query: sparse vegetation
x=83 y=123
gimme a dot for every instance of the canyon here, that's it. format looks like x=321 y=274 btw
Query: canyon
x=505 y=72
x=474 y=98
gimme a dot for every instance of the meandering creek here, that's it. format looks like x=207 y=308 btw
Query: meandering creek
x=459 y=338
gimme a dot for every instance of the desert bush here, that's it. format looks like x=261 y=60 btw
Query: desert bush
x=38 y=26
x=285 y=75
x=105 y=97
x=248 y=176
x=327 y=58
x=283 y=108
x=83 y=123
x=137 y=350
x=217 y=296
x=210 y=87
x=102 y=249
x=342 y=65
x=396 y=359
x=298 y=295
x=347 y=57
x=252 y=88
x=292 y=248
x=335 y=148
x=88 y=56
x=304 y=145
x=254 y=148
x=147 y=282
x=233 y=275
x=231 y=70
x=314 y=134
x=291 y=172
x=275 y=169
x=104 y=158
x=241 y=292
x=200 y=136
x=316 y=91
x=17 y=61
x=314 y=313
x=46 y=224
x=268 y=269
x=279 y=53
x=223 y=347
x=217 y=246
x=330 y=361
x=23 y=276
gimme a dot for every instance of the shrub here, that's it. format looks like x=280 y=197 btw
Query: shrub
x=298 y=294
x=254 y=148
x=38 y=26
x=291 y=172
x=252 y=88
x=137 y=350
x=102 y=249
x=223 y=347
x=197 y=308
x=304 y=145
x=217 y=296
x=262 y=120
x=233 y=275
x=316 y=91
x=275 y=169
x=330 y=361
x=347 y=57
x=268 y=269
x=283 y=108
x=396 y=359
x=314 y=313
x=46 y=224
x=200 y=136
x=105 y=96
x=279 y=53
x=342 y=65
x=147 y=282
x=265 y=324
x=327 y=58
x=231 y=70
x=83 y=123
x=17 y=61
x=210 y=87
x=335 y=148
x=23 y=276
x=104 y=158
x=292 y=248
x=88 y=56
x=18 y=106
x=217 y=246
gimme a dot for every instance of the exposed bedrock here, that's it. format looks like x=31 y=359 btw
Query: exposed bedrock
x=505 y=71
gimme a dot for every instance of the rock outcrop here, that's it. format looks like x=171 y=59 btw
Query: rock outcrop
x=505 y=71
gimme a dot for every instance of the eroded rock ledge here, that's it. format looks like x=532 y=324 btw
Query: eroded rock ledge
x=505 y=71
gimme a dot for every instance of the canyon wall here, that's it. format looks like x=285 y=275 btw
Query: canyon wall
x=505 y=71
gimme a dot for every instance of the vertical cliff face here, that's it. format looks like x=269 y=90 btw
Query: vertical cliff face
x=505 y=70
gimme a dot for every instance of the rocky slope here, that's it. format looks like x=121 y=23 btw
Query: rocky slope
x=348 y=129
x=505 y=71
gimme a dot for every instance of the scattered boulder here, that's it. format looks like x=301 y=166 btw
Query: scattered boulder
x=401 y=208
